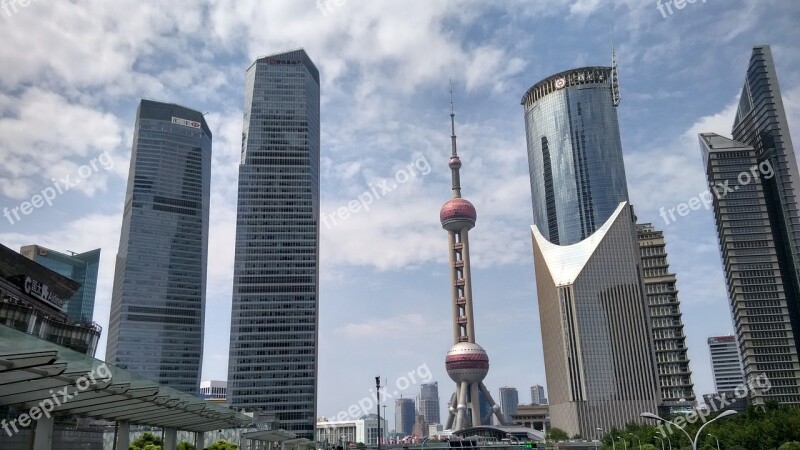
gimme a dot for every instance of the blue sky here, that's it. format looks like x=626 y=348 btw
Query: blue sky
x=72 y=74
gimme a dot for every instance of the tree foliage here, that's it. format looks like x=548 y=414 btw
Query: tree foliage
x=147 y=441
x=557 y=434
x=183 y=445
x=794 y=445
x=222 y=444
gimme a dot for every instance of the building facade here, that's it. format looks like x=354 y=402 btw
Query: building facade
x=428 y=402
x=158 y=299
x=80 y=267
x=274 y=321
x=214 y=390
x=537 y=395
x=592 y=305
x=759 y=286
x=404 y=416
x=669 y=341
x=536 y=417
x=595 y=330
x=726 y=364
x=574 y=153
x=509 y=401
x=343 y=432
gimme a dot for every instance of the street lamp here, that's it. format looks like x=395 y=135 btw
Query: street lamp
x=637 y=439
x=727 y=413
x=660 y=440
x=716 y=439
x=624 y=442
x=613 y=444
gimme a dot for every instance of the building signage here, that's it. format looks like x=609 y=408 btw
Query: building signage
x=186 y=123
x=560 y=83
x=41 y=291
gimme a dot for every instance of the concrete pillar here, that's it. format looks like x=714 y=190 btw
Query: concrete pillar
x=43 y=433
x=123 y=435
x=199 y=440
x=170 y=439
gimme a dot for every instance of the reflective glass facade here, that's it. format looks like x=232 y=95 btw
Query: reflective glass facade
x=274 y=323
x=80 y=267
x=574 y=153
x=158 y=301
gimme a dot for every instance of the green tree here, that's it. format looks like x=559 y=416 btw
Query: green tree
x=183 y=445
x=557 y=434
x=794 y=445
x=649 y=447
x=147 y=441
x=222 y=444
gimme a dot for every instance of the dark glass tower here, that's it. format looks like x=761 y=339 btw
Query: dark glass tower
x=428 y=403
x=158 y=301
x=574 y=152
x=80 y=267
x=274 y=322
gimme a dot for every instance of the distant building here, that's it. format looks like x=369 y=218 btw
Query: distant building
x=80 y=267
x=420 y=429
x=669 y=341
x=537 y=395
x=536 y=417
x=428 y=402
x=214 y=391
x=509 y=400
x=435 y=429
x=32 y=300
x=363 y=430
x=726 y=363
x=404 y=416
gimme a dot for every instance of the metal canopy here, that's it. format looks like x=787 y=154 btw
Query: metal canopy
x=34 y=372
x=269 y=435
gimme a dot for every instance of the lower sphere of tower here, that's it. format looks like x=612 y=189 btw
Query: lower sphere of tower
x=467 y=361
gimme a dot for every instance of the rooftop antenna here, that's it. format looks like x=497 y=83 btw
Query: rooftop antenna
x=455 y=162
x=615 y=95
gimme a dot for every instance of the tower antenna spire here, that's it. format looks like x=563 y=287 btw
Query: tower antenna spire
x=455 y=161
x=615 y=94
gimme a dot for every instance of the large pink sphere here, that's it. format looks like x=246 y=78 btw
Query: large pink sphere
x=458 y=213
x=467 y=361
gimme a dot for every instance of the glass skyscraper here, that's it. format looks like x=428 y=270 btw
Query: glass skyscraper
x=158 y=301
x=274 y=322
x=509 y=401
x=428 y=402
x=80 y=267
x=574 y=153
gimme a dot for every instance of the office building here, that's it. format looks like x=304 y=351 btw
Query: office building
x=593 y=311
x=214 y=390
x=363 y=430
x=536 y=417
x=669 y=341
x=32 y=299
x=509 y=401
x=80 y=267
x=428 y=402
x=404 y=416
x=274 y=323
x=758 y=272
x=158 y=299
x=726 y=364
x=537 y=395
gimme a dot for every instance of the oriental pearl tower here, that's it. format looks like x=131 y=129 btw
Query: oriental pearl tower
x=467 y=362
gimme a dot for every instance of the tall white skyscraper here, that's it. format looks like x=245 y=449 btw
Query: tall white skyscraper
x=537 y=395
x=274 y=322
x=726 y=363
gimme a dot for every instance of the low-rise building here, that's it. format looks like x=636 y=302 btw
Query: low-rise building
x=342 y=432
x=536 y=417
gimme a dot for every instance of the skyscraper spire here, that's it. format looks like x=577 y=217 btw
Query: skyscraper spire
x=615 y=95
x=455 y=162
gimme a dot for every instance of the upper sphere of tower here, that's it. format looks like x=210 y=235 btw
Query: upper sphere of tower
x=457 y=214
x=467 y=361
x=455 y=162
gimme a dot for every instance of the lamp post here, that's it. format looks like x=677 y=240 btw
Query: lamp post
x=624 y=442
x=660 y=440
x=637 y=439
x=378 y=392
x=727 y=413
x=613 y=444
x=717 y=439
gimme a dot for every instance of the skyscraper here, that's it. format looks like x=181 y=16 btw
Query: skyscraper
x=509 y=401
x=726 y=364
x=672 y=360
x=80 y=267
x=758 y=273
x=404 y=416
x=595 y=322
x=537 y=395
x=274 y=322
x=428 y=402
x=158 y=301
x=467 y=363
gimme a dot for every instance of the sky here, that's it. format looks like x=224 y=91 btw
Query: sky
x=72 y=74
